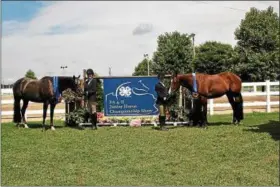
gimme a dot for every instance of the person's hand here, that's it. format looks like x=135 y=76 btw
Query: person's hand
x=164 y=98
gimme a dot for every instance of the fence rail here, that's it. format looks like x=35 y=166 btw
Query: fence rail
x=211 y=105
x=6 y=91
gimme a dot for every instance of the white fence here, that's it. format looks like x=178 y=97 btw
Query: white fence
x=6 y=91
x=268 y=103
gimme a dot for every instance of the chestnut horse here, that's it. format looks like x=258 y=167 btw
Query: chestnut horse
x=47 y=90
x=213 y=86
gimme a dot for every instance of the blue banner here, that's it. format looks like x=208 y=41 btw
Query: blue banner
x=133 y=96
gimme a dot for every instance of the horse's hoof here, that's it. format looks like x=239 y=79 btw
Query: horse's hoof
x=26 y=126
x=52 y=128
x=81 y=127
x=43 y=129
x=238 y=123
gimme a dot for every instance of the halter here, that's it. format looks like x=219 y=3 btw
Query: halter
x=55 y=88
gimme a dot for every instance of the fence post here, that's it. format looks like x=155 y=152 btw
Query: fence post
x=180 y=96
x=255 y=88
x=268 y=107
x=211 y=106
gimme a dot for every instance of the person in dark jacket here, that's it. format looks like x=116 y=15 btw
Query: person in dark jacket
x=90 y=89
x=162 y=94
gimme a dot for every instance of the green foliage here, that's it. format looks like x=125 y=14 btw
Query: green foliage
x=214 y=57
x=77 y=116
x=99 y=97
x=142 y=68
x=30 y=74
x=173 y=54
x=258 y=45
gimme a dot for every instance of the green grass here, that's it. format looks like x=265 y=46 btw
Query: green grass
x=223 y=154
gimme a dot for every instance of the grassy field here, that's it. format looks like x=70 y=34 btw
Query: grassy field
x=223 y=154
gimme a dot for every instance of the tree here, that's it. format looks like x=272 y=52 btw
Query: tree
x=258 y=45
x=173 y=54
x=142 y=68
x=99 y=94
x=214 y=57
x=30 y=74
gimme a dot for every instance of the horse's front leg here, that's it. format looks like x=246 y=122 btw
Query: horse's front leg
x=23 y=109
x=52 y=111
x=204 y=116
x=45 y=109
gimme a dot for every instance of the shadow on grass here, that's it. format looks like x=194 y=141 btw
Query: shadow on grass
x=272 y=127
x=220 y=123
x=176 y=127
x=196 y=126
x=39 y=126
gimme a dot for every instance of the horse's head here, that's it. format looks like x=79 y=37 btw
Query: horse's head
x=175 y=83
x=76 y=85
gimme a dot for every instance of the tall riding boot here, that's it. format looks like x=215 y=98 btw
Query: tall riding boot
x=162 y=123
x=94 y=121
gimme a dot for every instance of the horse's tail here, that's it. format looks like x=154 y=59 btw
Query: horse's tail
x=239 y=106
x=16 y=93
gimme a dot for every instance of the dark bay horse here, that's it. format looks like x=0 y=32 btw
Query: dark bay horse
x=213 y=86
x=47 y=90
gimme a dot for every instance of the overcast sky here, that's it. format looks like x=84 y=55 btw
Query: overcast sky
x=42 y=36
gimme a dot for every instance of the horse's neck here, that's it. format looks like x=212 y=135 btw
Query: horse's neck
x=64 y=84
x=186 y=81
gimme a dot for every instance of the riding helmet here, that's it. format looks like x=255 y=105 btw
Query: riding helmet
x=90 y=71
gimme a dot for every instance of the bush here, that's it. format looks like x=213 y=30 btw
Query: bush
x=77 y=116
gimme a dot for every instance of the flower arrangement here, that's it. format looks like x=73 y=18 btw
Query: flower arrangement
x=69 y=96
x=125 y=119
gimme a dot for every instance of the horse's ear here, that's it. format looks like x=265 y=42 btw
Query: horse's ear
x=79 y=76
x=74 y=77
